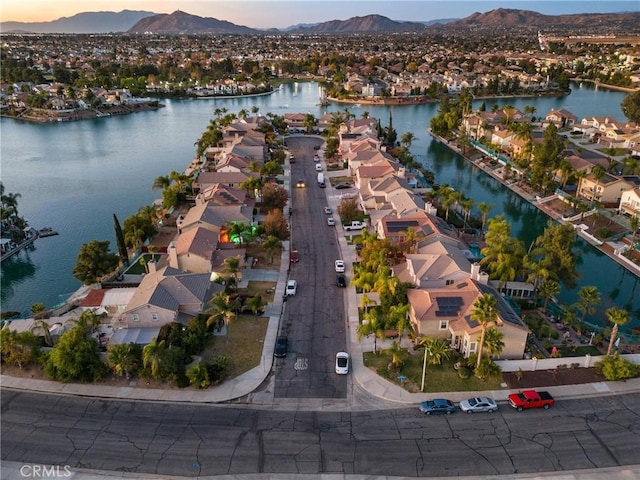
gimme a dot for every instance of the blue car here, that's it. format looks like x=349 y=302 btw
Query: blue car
x=437 y=406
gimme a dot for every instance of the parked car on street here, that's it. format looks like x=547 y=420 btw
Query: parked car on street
x=281 y=347
x=437 y=406
x=531 y=399
x=292 y=288
x=339 y=266
x=327 y=210
x=331 y=222
x=341 y=281
x=342 y=363
x=318 y=167
x=478 y=404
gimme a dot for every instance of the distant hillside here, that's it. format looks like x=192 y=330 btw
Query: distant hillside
x=503 y=17
x=88 y=22
x=366 y=24
x=181 y=22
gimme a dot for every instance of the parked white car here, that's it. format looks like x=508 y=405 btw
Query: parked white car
x=331 y=222
x=342 y=363
x=339 y=266
x=292 y=288
x=318 y=167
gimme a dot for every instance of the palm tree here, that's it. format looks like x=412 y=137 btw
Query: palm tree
x=88 y=321
x=256 y=304
x=484 y=208
x=271 y=245
x=407 y=139
x=435 y=351
x=398 y=317
x=152 y=356
x=232 y=265
x=485 y=312
x=124 y=358
x=224 y=308
x=588 y=298
x=445 y=194
x=617 y=316
x=494 y=341
x=161 y=182
x=43 y=326
x=242 y=114
x=548 y=289
x=371 y=325
x=598 y=173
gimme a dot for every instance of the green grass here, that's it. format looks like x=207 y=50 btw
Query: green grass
x=137 y=268
x=439 y=378
x=242 y=346
x=579 y=351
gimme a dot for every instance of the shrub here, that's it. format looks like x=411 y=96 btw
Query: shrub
x=198 y=376
x=617 y=368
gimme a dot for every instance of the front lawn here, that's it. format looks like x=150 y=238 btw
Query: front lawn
x=242 y=345
x=439 y=378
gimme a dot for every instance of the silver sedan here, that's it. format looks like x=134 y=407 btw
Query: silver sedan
x=478 y=404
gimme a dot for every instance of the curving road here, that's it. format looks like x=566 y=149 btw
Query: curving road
x=191 y=440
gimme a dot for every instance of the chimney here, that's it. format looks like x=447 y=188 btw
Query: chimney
x=152 y=265
x=402 y=172
x=475 y=271
x=173 y=255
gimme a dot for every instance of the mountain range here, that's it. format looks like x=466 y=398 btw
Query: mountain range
x=178 y=22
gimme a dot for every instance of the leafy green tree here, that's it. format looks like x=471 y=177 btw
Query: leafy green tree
x=18 y=349
x=615 y=368
x=94 y=261
x=485 y=312
x=617 y=316
x=503 y=254
x=547 y=156
x=631 y=106
x=75 y=358
x=349 y=210
x=125 y=359
x=43 y=326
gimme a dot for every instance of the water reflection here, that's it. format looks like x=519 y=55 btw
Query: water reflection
x=15 y=270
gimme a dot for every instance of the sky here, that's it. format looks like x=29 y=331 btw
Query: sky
x=284 y=13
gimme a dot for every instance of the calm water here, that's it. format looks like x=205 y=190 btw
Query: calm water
x=73 y=177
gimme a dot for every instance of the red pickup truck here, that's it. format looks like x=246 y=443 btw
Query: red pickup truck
x=531 y=399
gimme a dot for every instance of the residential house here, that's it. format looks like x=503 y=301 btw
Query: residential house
x=606 y=190
x=436 y=265
x=193 y=250
x=560 y=118
x=426 y=227
x=165 y=296
x=630 y=202
x=231 y=179
x=445 y=312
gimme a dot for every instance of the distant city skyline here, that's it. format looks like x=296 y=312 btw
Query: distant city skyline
x=284 y=13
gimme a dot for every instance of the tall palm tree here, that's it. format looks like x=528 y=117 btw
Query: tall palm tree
x=407 y=139
x=485 y=312
x=43 y=326
x=232 y=265
x=435 y=351
x=256 y=304
x=494 y=341
x=588 y=298
x=617 y=316
x=161 y=182
x=371 y=325
x=398 y=317
x=484 y=208
x=548 y=289
x=152 y=356
x=224 y=308
x=271 y=245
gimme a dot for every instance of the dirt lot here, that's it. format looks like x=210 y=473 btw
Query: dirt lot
x=552 y=378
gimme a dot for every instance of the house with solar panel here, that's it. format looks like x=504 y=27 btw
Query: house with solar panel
x=445 y=312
